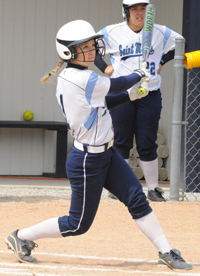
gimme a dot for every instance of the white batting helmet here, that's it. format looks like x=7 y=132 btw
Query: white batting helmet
x=74 y=34
x=129 y=3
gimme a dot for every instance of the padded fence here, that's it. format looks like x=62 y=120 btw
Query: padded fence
x=191 y=181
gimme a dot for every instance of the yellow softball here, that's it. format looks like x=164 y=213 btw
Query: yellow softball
x=28 y=115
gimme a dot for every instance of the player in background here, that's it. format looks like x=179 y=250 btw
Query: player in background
x=141 y=117
x=84 y=98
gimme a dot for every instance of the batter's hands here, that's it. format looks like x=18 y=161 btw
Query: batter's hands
x=132 y=92
x=143 y=73
x=145 y=85
x=143 y=91
x=109 y=70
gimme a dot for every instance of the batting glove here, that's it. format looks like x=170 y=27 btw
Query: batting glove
x=143 y=73
x=145 y=85
x=132 y=92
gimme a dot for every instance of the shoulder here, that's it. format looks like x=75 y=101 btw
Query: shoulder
x=75 y=76
x=164 y=30
x=114 y=28
x=159 y=28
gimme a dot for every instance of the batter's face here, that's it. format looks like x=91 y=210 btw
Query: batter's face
x=86 y=53
x=137 y=16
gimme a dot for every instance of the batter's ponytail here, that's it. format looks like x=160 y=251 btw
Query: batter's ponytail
x=54 y=71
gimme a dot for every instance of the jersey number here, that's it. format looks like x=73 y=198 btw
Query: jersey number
x=151 y=68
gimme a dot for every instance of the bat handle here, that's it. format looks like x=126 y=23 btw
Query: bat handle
x=142 y=91
x=144 y=65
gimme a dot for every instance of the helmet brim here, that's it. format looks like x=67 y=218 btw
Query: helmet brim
x=82 y=41
x=79 y=42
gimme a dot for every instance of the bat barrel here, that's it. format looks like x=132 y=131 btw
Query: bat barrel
x=148 y=30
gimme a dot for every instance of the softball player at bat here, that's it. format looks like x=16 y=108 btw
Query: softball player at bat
x=140 y=117
x=93 y=163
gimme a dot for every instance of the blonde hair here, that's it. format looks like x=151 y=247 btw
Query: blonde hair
x=53 y=72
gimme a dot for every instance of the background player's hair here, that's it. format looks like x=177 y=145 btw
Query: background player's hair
x=53 y=72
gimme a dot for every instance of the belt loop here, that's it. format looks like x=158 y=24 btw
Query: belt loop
x=85 y=148
x=106 y=146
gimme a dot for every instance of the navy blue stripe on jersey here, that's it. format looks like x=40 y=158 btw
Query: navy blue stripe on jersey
x=61 y=101
x=126 y=57
x=70 y=82
x=63 y=110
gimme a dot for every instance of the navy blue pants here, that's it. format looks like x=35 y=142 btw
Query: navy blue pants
x=139 y=118
x=88 y=174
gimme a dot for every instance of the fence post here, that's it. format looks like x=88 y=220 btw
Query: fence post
x=177 y=119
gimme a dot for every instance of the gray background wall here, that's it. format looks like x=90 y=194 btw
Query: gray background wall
x=27 y=52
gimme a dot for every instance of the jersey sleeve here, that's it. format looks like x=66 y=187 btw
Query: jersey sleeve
x=110 y=34
x=104 y=32
x=169 y=39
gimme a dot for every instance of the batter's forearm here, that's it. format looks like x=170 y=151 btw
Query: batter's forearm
x=123 y=83
x=114 y=100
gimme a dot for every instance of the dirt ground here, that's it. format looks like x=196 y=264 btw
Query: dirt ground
x=113 y=245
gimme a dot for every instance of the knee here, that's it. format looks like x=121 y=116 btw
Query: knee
x=139 y=206
x=83 y=229
x=123 y=151
x=148 y=152
x=69 y=227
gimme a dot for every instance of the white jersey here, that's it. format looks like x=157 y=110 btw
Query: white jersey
x=81 y=95
x=125 y=49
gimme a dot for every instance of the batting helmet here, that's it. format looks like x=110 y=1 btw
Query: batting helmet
x=74 y=34
x=129 y=3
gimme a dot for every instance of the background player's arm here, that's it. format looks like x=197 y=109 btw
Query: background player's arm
x=169 y=55
x=109 y=70
x=100 y=63
x=165 y=58
x=103 y=66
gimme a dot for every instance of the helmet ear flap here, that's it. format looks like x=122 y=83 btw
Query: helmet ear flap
x=68 y=54
x=63 y=51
